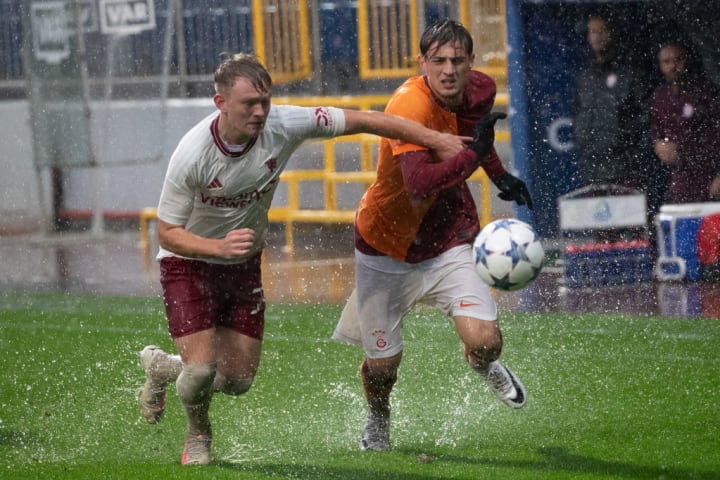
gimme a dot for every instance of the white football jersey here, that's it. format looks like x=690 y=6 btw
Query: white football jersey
x=212 y=190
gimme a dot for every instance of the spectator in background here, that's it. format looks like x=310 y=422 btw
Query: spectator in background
x=685 y=126
x=611 y=118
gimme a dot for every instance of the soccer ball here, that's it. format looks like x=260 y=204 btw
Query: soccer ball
x=508 y=254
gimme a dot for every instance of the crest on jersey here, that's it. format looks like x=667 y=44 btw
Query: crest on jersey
x=271 y=164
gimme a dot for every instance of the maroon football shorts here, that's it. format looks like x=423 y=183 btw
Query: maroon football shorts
x=200 y=295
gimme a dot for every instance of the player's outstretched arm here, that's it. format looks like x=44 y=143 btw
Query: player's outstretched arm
x=445 y=145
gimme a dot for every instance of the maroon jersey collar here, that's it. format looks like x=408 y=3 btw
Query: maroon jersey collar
x=220 y=144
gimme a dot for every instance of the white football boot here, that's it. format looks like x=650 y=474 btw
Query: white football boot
x=376 y=434
x=506 y=385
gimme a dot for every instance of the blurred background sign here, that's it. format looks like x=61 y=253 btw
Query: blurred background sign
x=50 y=32
x=60 y=128
x=126 y=16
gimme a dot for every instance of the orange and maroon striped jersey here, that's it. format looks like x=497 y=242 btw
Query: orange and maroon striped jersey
x=419 y=206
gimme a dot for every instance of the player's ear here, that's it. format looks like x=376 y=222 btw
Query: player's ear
x=421 y=62
x=471 y=59
x=220 y=102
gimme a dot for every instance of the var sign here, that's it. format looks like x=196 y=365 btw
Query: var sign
x=126 y=16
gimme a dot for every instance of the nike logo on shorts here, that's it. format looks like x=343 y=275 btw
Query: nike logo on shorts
x=464 y=304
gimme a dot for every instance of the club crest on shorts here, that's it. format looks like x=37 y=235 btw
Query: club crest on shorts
x=379 y=335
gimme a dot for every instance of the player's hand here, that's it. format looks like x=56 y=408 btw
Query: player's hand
x=715 y=189
x=513 y=189
x=484 y=136
x=449 y=145
x=666 y=151
x=237 y=243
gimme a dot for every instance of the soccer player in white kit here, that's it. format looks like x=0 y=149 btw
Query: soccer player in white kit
x=212 y=225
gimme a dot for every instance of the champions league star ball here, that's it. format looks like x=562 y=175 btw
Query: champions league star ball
x=508 y=254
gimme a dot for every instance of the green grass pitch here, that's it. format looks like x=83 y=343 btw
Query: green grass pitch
x=610 y=396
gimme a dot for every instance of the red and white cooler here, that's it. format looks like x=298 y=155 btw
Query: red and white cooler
x=685 y=234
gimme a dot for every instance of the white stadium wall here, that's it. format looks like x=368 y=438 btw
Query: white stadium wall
x=132 y=142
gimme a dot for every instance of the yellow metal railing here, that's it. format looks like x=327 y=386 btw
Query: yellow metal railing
x=486 y=21
x=389 y=34
x=292 y=212
x=388 y=37
x=360 y=102
x=282 y=38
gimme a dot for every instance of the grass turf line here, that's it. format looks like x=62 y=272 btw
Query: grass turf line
x=610 y=396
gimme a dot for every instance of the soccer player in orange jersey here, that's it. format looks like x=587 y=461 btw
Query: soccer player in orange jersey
x=415 y=226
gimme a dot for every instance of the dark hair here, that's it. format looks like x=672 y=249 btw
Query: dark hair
x=445 y=31
x=243 y=65
x=693 y=61
x=606 y=18
x=673 y=43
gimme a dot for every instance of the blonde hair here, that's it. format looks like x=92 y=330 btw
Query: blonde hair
x=243 y=65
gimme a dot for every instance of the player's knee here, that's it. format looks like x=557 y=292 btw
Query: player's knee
x=195 y=382
x=380 y=375
x=232 y=386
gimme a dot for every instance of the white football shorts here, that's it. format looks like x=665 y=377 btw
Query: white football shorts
x=387 y=289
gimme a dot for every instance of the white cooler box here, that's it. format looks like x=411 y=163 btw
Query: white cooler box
x=605 y=208
x=602 y=207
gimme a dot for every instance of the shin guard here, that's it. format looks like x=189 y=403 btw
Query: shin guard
x=195 y=388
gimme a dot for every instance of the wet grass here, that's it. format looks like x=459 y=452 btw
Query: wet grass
x=611 y=396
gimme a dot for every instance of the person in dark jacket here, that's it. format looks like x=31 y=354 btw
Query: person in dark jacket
x=611 y=118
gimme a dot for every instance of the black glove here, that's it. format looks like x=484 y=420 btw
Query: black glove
x=485 y=134
x=512 y=188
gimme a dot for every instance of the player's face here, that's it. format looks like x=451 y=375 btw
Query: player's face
x=446 y=68
x=673 y=62
x=598 y=35
x=244 y=110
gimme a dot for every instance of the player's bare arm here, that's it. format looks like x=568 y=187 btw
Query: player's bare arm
x=445 y=145
x=177 y=239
